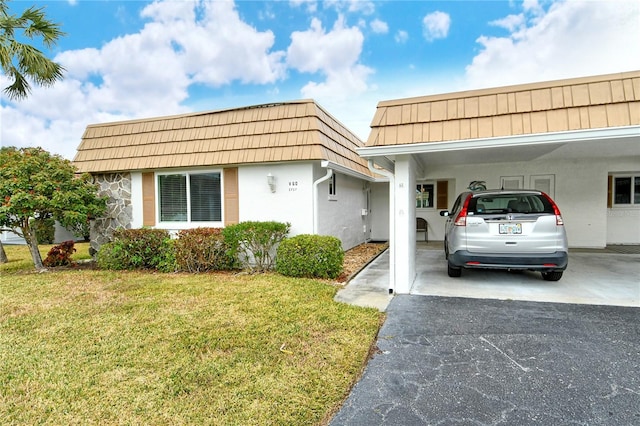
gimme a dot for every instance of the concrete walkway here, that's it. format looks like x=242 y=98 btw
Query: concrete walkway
x=595 y=277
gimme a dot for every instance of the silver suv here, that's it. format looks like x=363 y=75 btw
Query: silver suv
x=506 y=229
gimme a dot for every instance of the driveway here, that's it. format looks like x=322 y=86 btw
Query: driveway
x=463 y=361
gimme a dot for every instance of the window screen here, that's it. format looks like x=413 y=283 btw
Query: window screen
x=193 y=197
x=173 y=198
x=205 y=197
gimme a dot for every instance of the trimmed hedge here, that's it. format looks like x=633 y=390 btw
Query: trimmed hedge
x=310 y=256
x=253 y=244
x=201 y=250
x=138 y=249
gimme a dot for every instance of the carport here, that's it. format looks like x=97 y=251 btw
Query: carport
x=571 y=138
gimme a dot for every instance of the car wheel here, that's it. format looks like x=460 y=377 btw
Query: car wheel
x=552 y=276
x=453 y=271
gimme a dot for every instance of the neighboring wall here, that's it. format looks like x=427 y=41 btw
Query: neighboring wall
x=341 y=215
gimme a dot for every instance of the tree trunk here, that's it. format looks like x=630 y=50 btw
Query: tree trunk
x=3 y=255
x=32 y=242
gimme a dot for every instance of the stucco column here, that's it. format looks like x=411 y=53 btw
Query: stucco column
x=405 y=224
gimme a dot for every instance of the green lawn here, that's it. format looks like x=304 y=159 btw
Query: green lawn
x=87 y=346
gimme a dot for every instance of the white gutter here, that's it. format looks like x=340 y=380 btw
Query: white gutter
x=315 y=198
x=392 y=223
x=502 y=141
x=345 y=170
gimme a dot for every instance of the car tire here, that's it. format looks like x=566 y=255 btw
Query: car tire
x=552 y=276
x=452 y=271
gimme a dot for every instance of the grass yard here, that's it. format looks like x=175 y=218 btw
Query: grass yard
x=87 y=346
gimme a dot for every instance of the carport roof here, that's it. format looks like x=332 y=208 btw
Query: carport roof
x=288 y=131
x=599 y=102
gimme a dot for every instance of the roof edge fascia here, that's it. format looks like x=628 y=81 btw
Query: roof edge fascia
x=501 y=141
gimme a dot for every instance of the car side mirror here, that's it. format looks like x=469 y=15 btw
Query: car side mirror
x=444 y=213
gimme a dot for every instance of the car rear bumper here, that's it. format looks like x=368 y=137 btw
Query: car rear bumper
x=535 y=262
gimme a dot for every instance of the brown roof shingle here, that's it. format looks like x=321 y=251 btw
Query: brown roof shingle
x=290 y=131
x=583 y=103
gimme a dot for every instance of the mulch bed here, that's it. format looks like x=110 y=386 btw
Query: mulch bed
x=358 y=257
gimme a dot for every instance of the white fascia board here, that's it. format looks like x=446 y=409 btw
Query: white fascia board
x=346 y=171
x=502 y=141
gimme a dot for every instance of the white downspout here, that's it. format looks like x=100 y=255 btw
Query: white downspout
x=315 y=198
x=392 y=224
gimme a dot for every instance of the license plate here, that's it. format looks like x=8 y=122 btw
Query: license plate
x=511 y=228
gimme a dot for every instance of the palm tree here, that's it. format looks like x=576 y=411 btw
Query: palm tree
x=22 y=62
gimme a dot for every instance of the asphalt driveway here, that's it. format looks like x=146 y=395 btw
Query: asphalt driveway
x=463 y=361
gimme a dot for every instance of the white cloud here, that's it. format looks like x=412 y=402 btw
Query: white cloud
x=510 y=22
x=310 y=5
x=436 y=25
x=401 y=37
x=144 y=74
x=570 y=39
x=379 y=27
x=334 y=54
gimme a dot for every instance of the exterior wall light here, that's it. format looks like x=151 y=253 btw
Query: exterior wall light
x=271 y=181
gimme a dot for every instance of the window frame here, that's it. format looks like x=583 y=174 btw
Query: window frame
x=420 y=189
x=332 y=187
x=189 y=223
x=634 y=190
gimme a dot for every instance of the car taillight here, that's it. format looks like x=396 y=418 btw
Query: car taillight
x=461 y=219
x=556 y=210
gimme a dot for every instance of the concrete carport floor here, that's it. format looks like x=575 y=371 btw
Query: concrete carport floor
x=596 y=277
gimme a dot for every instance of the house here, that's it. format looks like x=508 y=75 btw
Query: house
x=288 y=162
x=577 y=139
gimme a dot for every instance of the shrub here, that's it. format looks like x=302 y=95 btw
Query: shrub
x=138 y=249
x=253 y=245
x=312 y=256
x=202 y=249
x=60 y=255
x=45 y=230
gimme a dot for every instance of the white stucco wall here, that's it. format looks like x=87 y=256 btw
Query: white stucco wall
x=580 y=192
x=291 y=202
x=136 y=199
x=379 y=215
x=623 y=222
x=340 y=215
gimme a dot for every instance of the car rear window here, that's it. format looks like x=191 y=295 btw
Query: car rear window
x=510 y=203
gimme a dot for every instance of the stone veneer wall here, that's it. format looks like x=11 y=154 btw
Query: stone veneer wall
x=119 y=212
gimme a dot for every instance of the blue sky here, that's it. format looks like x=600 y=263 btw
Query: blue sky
x=136 y=59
